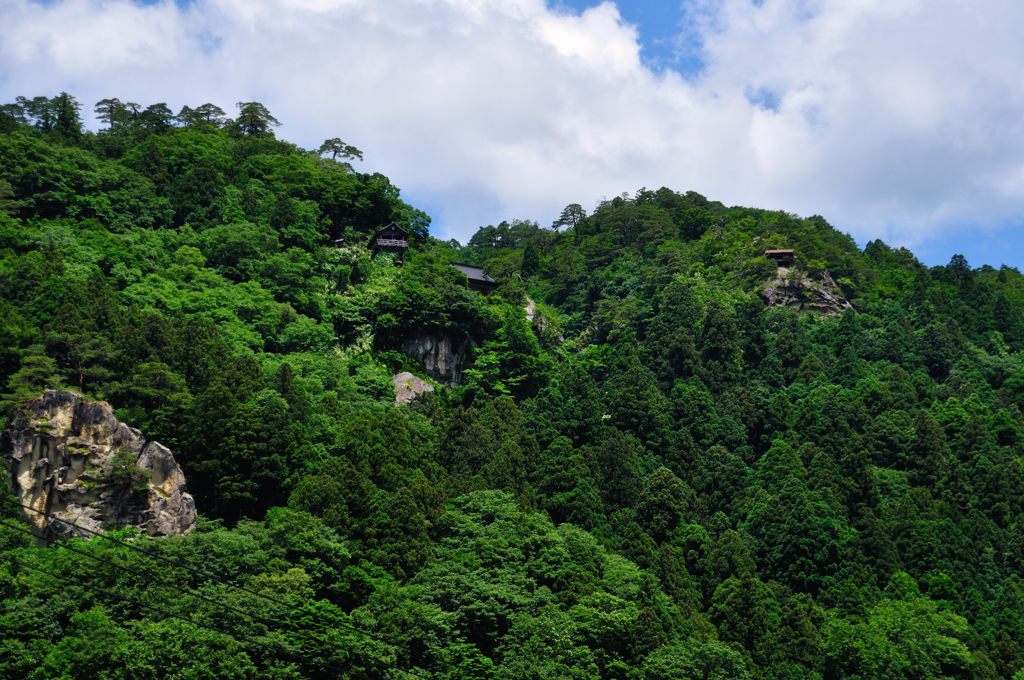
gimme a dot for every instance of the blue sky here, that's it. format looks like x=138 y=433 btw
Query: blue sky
x=668 y=42
x=894 y=119
x=666 y=39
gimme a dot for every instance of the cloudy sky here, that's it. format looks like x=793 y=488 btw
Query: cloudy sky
x=895 y=119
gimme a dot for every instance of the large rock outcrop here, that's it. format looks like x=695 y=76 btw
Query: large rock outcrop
x=794 y=288
x=69 y=457
x=408 y=387
x=444 y=355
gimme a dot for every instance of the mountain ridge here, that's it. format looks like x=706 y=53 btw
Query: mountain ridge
x=658 y=475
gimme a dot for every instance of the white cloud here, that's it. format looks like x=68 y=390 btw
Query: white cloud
x=893 y=118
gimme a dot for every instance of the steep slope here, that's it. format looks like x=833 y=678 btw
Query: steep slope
x=659 y=475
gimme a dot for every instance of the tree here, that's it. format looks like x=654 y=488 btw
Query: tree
x=616 y=464
x=958 y=268
x=928 y=456
x=254 y=120
x=7 y=204
x=211 y=114
x=39 y=111
x=546 y=644
x=93 y=645
x=127 y=479
x=570 y=217
x=799 y=539
x=662 y=503
x=111 y=111
x=696 y=660
x=747 y=611
x=157 y=117
x=634 y=402
x=719 y=346
x=133 y=111
x=570 y=406
x=36 y=373
x=11 y=116
x=58 y=115
x=531 y=261
x=670 y=344
x=204 y=115
x=566 y=485
x=908 y=637
x=512 y=363
x=336 y=147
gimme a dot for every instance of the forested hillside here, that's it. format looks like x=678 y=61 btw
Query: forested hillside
x=656 y=475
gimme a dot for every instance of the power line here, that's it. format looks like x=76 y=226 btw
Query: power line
x=209 y=578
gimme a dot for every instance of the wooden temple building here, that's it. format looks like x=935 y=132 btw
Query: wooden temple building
x=784 y=257
x=390 y=239
x=395 y=239
x=478 y=280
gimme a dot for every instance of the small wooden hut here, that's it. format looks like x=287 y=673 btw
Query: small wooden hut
x=784 y=257
x=392 y=239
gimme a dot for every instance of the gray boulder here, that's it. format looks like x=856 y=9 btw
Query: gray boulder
x=408 y=387
x=69 y=457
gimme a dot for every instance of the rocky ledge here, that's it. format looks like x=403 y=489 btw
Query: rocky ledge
x=70 y=458
x=794 y=288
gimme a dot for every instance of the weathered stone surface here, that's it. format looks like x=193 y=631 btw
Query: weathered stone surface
x=530 y=308
x=70 y=457
x=443 y=355
x=546 y=331
x=794 y=288
x=408 y=387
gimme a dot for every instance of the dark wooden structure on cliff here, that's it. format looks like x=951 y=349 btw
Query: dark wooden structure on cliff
x=478 y=280
x=391 y=239
x=784 y=257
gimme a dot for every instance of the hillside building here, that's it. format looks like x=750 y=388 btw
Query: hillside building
x=784 y=257
x=478 y=280
x=391 y=239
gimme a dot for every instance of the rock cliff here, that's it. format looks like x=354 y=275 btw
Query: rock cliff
x=71 y=458
x=443 y=354
x=794 y=288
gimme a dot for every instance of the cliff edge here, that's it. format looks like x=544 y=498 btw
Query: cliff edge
x=794 y=288
x=69 y=457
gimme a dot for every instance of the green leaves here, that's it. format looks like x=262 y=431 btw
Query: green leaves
x=910 y=637
x=52 y=181
x=674 y=482
x=336 y=147
x=254 y=119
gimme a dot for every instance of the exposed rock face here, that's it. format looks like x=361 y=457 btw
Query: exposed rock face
x=545 y=331
x=443 y=355
x=70 y=457
x=530 y=308
x=793 y=288
x=408 y=387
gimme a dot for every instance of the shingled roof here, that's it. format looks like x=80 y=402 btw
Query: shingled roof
x=478 y=280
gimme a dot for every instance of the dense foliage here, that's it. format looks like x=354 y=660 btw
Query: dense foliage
x=656 y=477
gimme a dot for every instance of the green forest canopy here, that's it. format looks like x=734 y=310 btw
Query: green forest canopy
x=657 y=477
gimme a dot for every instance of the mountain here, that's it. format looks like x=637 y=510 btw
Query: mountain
x=653 y=451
